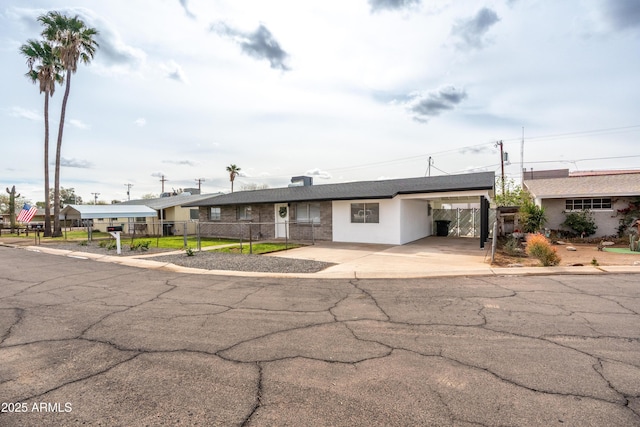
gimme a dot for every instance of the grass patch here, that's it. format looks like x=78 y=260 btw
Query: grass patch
x=258 y=248
x=621 y=251
x=177 y=242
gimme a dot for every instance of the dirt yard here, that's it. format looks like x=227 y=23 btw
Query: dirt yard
x=584 y=254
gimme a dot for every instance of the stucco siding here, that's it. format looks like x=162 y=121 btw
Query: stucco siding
x=606 y=220
x=386 y=231
x=414 y=220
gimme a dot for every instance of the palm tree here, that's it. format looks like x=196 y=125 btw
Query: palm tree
x=72 y=42
x=44 y=68
x=233 y=172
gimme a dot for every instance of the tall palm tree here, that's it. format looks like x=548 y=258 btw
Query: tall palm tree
x=73 y=42
x=233 y=172
x=45 y=69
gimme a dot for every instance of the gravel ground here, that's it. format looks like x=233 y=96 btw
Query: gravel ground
x=237 y=262
x=212 y=260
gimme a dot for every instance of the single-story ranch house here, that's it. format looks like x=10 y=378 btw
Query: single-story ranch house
x=395 y=211
x=601 y=192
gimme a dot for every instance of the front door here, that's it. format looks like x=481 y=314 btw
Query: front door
x=282 y=220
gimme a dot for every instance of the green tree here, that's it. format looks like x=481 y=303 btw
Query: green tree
x=45 y=70
x=72 y=42
x=513 y=195
x=233 y=172
x=68 y=196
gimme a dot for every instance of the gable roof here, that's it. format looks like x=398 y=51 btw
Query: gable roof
x=168 y=202
x=626 y=184
x=106 y=211
x=383 y=189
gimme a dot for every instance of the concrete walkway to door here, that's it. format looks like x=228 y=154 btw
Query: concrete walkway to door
x=440 y=256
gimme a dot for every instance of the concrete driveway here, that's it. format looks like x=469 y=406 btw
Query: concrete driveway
x=429 y=256
x=96 y=343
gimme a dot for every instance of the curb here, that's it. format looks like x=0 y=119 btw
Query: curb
x=495 y=271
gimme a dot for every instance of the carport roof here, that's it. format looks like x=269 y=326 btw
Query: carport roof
x=106 y=211
x=383 y=189
x=168 y=202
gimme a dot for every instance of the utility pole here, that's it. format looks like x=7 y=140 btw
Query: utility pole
x=499 y=143
x=128 y=190
x=199 y=181
x=163 y=180
x=95 y=198
x=522 y=159
x=428 y=173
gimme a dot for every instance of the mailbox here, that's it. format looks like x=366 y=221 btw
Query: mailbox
x=114 y=228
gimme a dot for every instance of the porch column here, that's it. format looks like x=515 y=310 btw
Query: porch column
x=484 y=221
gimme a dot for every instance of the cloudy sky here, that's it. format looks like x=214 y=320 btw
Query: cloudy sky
x=340 y=90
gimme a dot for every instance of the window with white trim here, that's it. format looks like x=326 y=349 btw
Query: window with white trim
x=365 y=213
x=591 y=204
x=308 y=212
x=214 y=213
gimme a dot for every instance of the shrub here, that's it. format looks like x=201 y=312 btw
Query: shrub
x=512 y=247
x=582 y=223
x=189 y=251
x=532 y=217
x=143 y=246
x=539 y=247
x=107 y=244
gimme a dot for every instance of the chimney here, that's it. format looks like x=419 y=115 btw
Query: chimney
x=301 y=181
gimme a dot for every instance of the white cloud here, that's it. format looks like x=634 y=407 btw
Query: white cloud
x=175 y=72
x=318 y=173
x=79 y=124
x=140 y=122
x=24 y=113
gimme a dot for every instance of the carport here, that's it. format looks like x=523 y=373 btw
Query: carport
x=110 y=212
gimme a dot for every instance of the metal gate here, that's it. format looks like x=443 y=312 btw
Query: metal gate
x=463 y=222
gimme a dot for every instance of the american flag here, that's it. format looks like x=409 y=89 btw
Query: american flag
x=27 y=213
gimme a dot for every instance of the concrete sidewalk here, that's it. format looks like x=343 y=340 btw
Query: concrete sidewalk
x=429 y=257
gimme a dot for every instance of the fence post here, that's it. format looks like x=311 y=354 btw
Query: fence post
x=241 y=234
x=250 y=240
x=198 y=243
x=184 y=226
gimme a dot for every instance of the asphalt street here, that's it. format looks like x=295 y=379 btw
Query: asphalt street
x=96 y=343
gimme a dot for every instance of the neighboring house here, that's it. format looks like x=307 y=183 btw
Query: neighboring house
x=170 y=212
x=601 y=192
x=114 y=214
x=394 y=211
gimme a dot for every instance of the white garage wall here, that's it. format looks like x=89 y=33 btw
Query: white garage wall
x=387 y=231
x=414 y=220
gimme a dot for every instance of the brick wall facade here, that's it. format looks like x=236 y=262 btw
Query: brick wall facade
x=263 y=223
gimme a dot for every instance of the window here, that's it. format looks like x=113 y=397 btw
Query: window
x=194 y=214
x=593 y=204
x=244 y=213
x=214 y=214
x=308 y=212
x=365 y=212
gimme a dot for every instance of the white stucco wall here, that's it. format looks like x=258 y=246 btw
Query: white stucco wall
x=414 y=220
x=387 y=231
x=401 y=221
